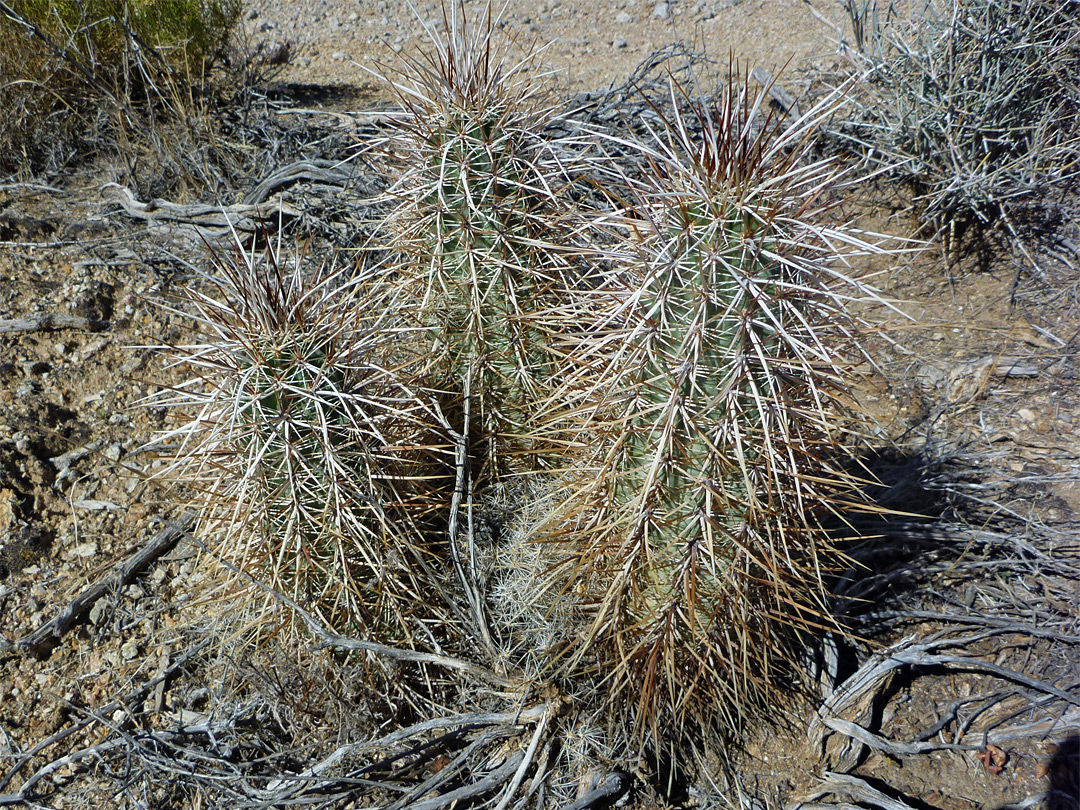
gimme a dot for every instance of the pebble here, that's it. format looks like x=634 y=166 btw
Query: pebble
x=82 y=551
x=619 y=43
x=99 y=613
x=622 y=18
x=129 y=650
x=661 y=11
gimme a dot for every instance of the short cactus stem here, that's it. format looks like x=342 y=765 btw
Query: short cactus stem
x=301 y=433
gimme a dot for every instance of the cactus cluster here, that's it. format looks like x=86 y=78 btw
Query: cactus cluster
x=650 y=398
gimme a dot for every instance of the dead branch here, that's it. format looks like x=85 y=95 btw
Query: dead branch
x=612 y=785
x=490 y=782
x=848 y=785
x=199 y=221
x=123 y=702
x=41 y=641
x=329 y=172
x=49 y=322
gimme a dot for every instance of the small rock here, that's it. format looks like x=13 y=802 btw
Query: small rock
x=32 y=368
x=83 y=550
x=96 y=505
x=129 y=650
x=661 y=11
x=339 y=56
x=622 y=18
x=114 y=452
x=619 y=43
x=99 y=613
x=1027 y=414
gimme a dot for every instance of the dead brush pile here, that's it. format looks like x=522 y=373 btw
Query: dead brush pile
x=976 y=104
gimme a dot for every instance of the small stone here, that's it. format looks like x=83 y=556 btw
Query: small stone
x=339 y=56
x=85 y=550
x=1027 y=414
x=32 y=368
x=129 y=650
x=99 y=613
x=619 y=43
x=661 y=11
x=60 y=349
x=622 y=18
x=114 y=452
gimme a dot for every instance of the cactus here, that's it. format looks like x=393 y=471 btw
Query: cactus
x=297 y=428
x=667 y=492
x=698 y=534
x=482 y=205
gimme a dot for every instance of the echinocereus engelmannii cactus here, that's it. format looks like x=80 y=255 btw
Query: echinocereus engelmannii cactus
x=301 y=430
x=482 y=225
x=696 y=541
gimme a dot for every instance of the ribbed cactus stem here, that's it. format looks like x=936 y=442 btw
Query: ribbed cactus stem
x=480 y=205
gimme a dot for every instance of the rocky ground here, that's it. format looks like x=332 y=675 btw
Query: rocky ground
x=973 y=705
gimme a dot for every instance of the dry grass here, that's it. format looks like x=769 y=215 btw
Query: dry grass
x=78 y=74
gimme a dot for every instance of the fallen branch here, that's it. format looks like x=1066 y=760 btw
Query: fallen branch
x=848 y=785
x=330 y=172
x=612 y=785
x=206 y=221
x=490 y=782
x=135 y=696
x=41 y=641
x=49 y=322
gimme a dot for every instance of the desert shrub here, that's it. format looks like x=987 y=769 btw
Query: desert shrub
x=72 y=69
x=975 y=102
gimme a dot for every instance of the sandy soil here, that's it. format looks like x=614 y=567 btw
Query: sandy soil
x=590 y=44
